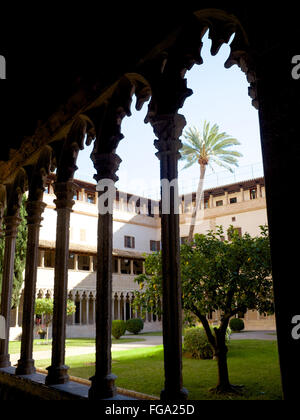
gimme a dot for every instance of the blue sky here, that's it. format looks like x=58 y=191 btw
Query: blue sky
x=220 y=96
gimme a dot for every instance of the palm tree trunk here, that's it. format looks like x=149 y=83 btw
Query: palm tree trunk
x=198 y=202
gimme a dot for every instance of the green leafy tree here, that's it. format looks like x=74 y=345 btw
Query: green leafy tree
x=20 y=256
x=208 y=148
x=230 y=276
x=44 y=307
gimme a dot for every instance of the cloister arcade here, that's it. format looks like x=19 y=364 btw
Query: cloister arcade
x=94 y=113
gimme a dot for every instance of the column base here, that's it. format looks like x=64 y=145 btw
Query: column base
x=57 y=375
x=25 y=367
x=174 y=395
x=103 y=388
x=4 y=361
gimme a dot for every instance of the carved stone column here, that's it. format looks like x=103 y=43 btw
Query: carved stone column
x=57 y=372
x=34 y=213
x=11 y=229
x=103 y=382
x=168 y=129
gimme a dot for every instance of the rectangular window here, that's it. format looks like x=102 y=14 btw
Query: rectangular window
x=71 y=261
x=125 y=266
x=90 y=198
x=40 y=263
x=129 y=242
x=233 y=200
x=84 y=262
x=49 y=259
x=253 y=193
x=219 y=203
x=95 y=262
x=154 y=246
x=115 y=264
x=137 y=267
x=238 y=230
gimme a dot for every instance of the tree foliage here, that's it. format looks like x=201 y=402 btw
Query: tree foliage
x=20 y=256
x=230 y=276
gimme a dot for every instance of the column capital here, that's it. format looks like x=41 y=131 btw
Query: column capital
x=64 y=192
x=11 y=226
x=34 y=212
x=168 y=128
x=106 y=165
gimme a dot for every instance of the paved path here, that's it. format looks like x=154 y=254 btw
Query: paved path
x=254 y=335
x=75 y=351
x=149 y=341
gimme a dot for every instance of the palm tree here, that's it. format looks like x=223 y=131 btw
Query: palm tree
x=207 y=149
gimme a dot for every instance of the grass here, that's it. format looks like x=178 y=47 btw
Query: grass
x=253 y=363
x=151 y=333
x=43 y=345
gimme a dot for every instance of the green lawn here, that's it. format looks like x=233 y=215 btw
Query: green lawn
x=40 y=345
x=253 y=363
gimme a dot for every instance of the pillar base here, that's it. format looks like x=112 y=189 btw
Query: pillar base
x=57 y=375
x=25 y=367
x=180 y=395
x=103 y=388
x=4 y=361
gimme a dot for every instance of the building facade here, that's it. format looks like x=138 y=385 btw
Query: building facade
x=136 y=233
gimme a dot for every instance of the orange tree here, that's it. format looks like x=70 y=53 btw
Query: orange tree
x=44 y=307
x=230 y=276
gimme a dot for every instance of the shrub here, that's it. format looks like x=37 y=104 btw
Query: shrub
x=197 y=344
x=236 y=324
x=118 y=328
x=134 y=325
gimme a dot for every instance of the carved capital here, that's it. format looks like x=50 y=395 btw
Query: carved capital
x=11 y=226
x=15 y=193
x=64 y=192
x=34 y=212
x=168 y=129
x=38 y=174
x=106 y=164
x=81 y=130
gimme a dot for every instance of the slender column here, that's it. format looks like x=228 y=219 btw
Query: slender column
x=258 y=191
x=119 y=265
x=80 y=310
x=169 y=128
x=124 y=308
x=42 y=258
x=242 y=194
x=94 y=310
x=73 y=315
x=131 y=267
x=11 y=227
x=226 y=198
x=57 y=372
x=87 y=300
x=119 y=307
x=103 y=382
x=34 y=213
x=75 y=262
